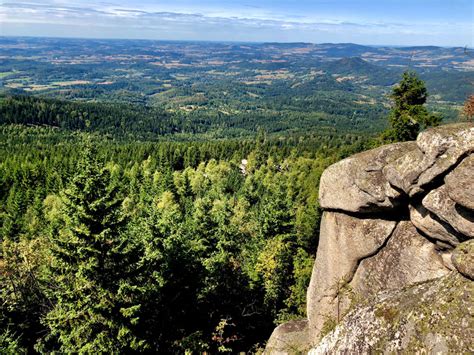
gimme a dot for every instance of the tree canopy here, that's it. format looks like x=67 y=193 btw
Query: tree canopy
x=123 y=246
x=409 y=114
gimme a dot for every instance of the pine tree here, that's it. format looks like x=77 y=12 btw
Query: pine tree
x=408 y=113
x=94 y=266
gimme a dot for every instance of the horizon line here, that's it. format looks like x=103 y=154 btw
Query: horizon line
x=227 y=41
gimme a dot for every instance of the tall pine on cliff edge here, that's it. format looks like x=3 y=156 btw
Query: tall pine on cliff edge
x=408 y=112
x=96 y=298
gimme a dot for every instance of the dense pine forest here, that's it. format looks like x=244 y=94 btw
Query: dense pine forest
x=135 y=121
x=216 y=238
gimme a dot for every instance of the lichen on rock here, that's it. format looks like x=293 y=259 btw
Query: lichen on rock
x=463 y=259
x=435 y=316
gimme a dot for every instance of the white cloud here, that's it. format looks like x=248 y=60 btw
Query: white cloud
x=251 y=24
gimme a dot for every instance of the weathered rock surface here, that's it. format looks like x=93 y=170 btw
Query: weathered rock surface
x=460 y=183
x=435 y=317
x=443 y=147
x=439 y=149
x=395 y=264
x=357 y=183
x=463 y=259
x=440 y=204
x=289 y=338
x=407 y=258
x=345 y=240
x=428 y=223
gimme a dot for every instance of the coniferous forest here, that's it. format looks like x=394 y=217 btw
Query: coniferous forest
x=119 y=246
x=172 y=226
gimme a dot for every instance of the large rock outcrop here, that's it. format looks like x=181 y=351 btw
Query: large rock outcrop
x=395 y=263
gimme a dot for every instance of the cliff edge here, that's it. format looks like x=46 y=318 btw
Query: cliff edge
x=395 y=264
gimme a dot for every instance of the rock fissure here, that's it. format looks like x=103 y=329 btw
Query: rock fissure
x=395 y=261
x=435 y=230
x=397 y=214
x=374 y=253
x=438 y=181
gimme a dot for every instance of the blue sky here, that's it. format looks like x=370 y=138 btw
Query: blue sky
x=391 y=22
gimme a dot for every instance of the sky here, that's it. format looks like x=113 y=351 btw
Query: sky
x=376 y=22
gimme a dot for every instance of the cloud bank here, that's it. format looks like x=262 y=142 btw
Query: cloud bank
x=245 y=23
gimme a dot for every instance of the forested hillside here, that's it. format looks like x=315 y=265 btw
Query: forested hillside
x=136 y=121
x=220 y=249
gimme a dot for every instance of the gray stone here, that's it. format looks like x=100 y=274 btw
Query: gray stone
x=460 y=183
x=404 y=172
x=432 y=317
x=357 y=184
x=427 y=223
x=382 y=282
x=435 y=142
x=440 y=204
x=407 y=258
x=289 y=338
x=445 y=146
x=344 y=241
x=439 y=149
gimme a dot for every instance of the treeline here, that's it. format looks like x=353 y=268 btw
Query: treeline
x=313 y=114
x=117 y=119
x=115 y=246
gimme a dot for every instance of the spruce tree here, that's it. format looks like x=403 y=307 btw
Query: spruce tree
x=94 y=267
x=408 y=114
